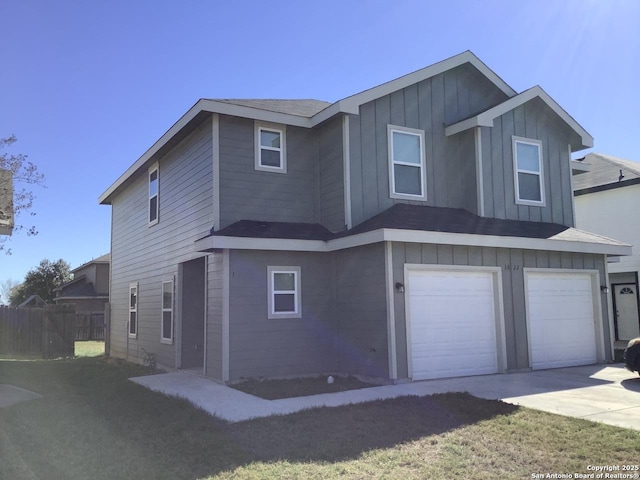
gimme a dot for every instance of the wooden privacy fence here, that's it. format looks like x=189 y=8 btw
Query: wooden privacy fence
x=49 y=331
x=90 y=326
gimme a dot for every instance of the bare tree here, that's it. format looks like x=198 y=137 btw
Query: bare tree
x=24 y=174
x=6 y=287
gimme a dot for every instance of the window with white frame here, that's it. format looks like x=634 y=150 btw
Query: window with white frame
x=270 y=143
x=153 y=195
x=406 y=162
x=284 y=292
x=167 y=312
x=527 y=167
x=133 y=310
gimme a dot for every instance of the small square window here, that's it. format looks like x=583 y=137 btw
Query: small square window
x=270 y=148
x=528 y=172
x=284 y=292
x=406 y=163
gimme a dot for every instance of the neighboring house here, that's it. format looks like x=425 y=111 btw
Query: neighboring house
x=89 y=292
x=419 y=229
x=6 y=202
x=605 y=198
x=89 y=289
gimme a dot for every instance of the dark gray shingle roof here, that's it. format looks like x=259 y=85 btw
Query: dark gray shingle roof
x=301 y=108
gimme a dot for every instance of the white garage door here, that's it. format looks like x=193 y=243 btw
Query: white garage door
x=452 y=324
x=561 y=320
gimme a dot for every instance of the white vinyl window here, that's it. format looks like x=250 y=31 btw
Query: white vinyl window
x=528 y=173
x=153 y=194
x=167 y=312
x=271 y=154
x=284 y=292
x=133 y=310
x=406 y=163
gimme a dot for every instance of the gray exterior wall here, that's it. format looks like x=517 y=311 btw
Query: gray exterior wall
x=362 y=310
x=331 y=179
x=536 y=121
x=429 y=105
x=247 y=194
x=260 y=346
x=512 y=262
x=151 y=254
x=215 y=279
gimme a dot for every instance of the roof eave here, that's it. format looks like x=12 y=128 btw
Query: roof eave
x=486 y=118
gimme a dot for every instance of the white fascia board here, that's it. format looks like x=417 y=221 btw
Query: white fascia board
x=255 y=113
x=486 y=118
x=141 y=162
x=411 y=236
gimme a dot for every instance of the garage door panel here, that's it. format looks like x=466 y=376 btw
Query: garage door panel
x=561 y=320
x=452 y=324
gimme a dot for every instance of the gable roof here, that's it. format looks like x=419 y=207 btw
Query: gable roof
x=106 y=258
x=606 y=173
x=486 y=118
x=301 y=113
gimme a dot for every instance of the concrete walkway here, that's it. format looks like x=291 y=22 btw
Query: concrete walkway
x=603 y=393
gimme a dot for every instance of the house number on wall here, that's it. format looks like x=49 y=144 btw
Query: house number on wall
x=512 y=267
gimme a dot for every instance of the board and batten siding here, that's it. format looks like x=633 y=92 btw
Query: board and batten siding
x=263 y=347
x=429 y=105
x=512 y=262
x=331 y=179
x=362 y=310
x=150 y=255
x=532 y=120
x=248 y=194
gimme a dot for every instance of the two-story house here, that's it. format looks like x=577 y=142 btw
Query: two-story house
x=422 y=228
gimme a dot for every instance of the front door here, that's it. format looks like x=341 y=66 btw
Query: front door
x=626 y=306
x=192 y=276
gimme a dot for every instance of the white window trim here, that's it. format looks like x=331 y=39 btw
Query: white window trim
x=163 y=339
x=133 y=309
x=271 y=271
x=153 y=168
x=537 y=143
x=282 y=130
x=392 y=181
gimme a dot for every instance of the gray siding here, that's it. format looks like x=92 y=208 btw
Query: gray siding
x=260 y=346
x=512 y=262
x=151 y=254
x=429 y=105
x=247 y=194
x=215 y=279
x=362 y=310
x=331 y=177
x=532 y=120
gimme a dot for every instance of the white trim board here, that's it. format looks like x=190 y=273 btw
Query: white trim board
x=215 y=242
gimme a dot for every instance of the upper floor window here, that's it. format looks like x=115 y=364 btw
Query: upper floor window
x=270 y=143
x=153 y=195
x=284 y=292
x=527 y=167
x=406 y=162
x=133 y=310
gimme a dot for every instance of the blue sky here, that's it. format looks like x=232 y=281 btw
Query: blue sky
x=88 y=87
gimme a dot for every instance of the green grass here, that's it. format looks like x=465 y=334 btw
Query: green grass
x=89 y=348
x=299 y=387
x=93 y=423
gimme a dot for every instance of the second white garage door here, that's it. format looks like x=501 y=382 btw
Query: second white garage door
x=562 y=324
x=452 y=323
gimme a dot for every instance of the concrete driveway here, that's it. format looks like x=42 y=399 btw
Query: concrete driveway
x=602 y=393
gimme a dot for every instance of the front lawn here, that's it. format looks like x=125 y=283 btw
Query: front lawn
x=93 y=423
